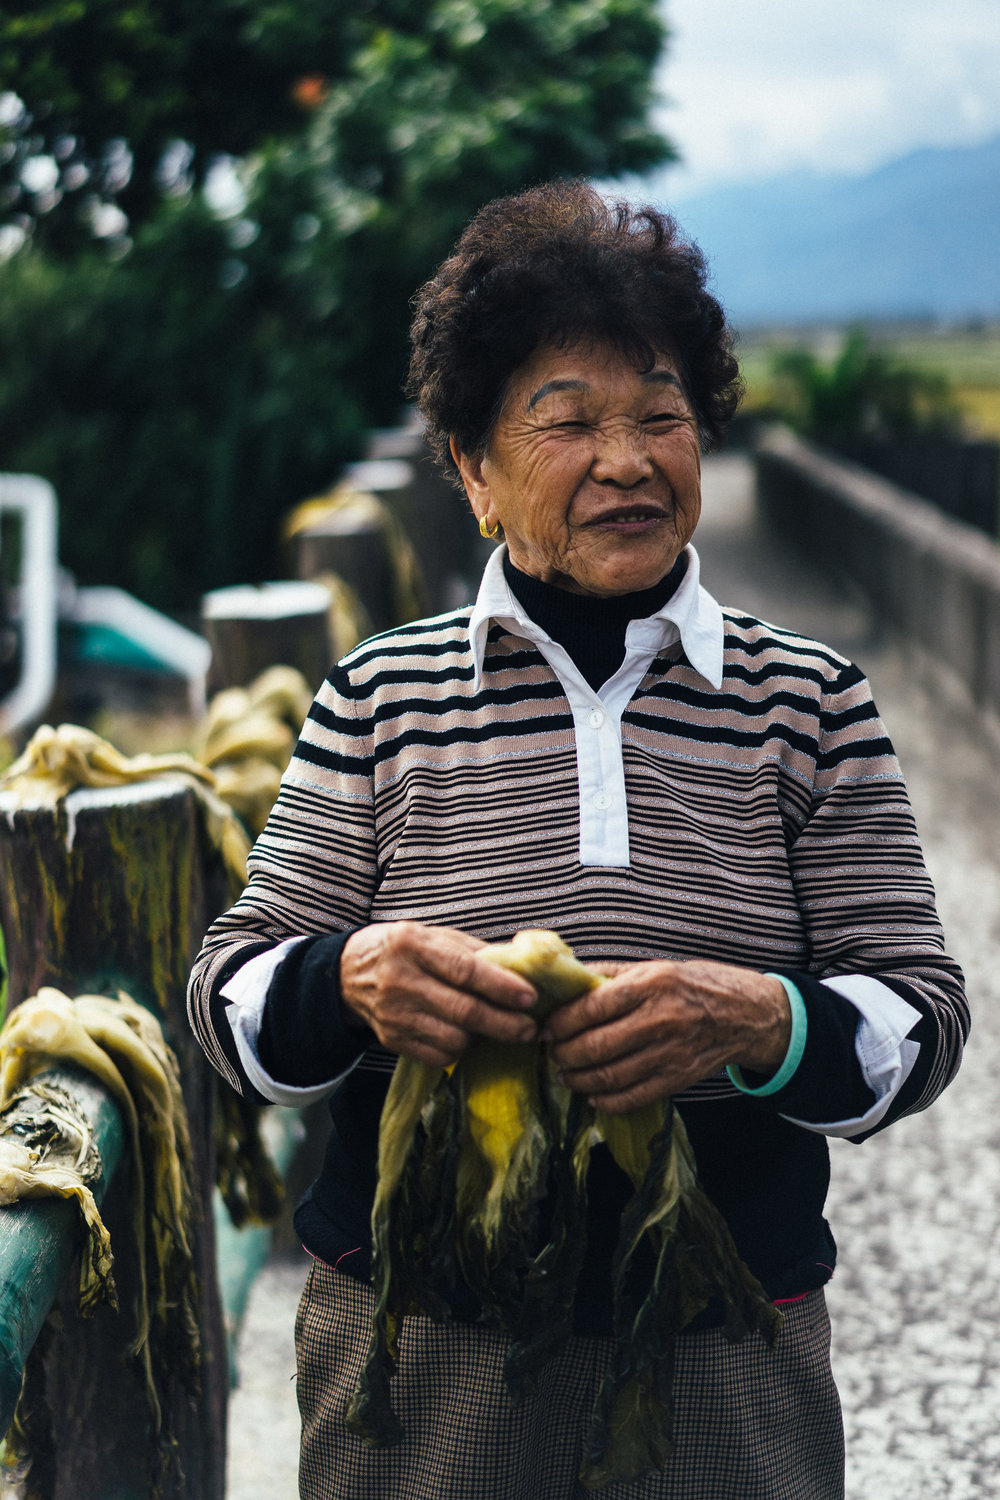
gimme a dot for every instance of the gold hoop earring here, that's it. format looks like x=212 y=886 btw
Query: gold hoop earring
x=484 y=529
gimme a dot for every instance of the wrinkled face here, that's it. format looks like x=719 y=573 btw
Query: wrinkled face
x=593 y=470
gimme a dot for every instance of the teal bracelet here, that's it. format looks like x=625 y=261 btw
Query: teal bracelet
x=796 y=1046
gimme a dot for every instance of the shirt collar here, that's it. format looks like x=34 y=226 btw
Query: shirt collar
x=690 y=612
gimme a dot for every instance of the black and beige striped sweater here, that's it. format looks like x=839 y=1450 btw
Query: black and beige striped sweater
x=768 y=826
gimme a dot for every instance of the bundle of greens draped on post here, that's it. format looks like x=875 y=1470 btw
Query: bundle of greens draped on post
x=46 y=1150
x=468 y=1157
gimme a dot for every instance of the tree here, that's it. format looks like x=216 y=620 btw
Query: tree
x=184 y=393
x=861 y=393
x=455 y=103
x=125 y=97
x=180 y=399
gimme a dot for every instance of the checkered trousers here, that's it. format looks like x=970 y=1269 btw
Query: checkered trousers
x=751 y=1423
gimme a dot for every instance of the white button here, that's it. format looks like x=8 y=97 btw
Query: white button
x=602 y=801
x=596 y=718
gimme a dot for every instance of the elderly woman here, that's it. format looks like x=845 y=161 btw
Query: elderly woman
x=705 y=807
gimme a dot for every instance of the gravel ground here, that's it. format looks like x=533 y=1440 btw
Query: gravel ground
x=916 y=1299
x=263 y=1417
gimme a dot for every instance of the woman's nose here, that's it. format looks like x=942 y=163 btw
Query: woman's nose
x=622 y=458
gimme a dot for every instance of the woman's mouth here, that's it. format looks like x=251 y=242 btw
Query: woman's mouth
x=635 y=519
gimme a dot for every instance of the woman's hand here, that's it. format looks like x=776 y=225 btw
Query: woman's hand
x=424 y=991
x=656 y=1028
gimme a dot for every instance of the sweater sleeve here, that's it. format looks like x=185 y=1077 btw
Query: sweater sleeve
x=886 y=1010
x=312 y=873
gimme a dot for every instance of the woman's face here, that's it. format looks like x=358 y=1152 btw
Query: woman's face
x=593 y=470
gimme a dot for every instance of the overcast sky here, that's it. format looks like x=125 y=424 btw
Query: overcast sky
x=759 y=87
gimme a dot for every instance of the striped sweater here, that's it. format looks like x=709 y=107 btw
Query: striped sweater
x=768 y=826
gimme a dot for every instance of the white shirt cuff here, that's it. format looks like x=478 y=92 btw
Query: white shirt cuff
x=885 y=1054
x=247 y=992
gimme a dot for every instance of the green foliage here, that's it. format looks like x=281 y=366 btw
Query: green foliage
x=860 y=393
x=182 y=399
x=225 y=77
x=185 y=379
x=450 y=104
x=458 y=99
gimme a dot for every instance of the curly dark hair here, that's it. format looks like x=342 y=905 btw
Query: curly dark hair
x=559 y=265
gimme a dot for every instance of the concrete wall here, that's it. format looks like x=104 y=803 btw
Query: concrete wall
x=934 y=580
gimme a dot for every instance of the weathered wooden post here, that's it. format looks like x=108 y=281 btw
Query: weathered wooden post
x=349 y=540
x=114 y=888
x=433 y=512
x=41 y=1237
x=254 y=626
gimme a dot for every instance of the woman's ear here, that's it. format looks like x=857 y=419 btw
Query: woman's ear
x=476 y=485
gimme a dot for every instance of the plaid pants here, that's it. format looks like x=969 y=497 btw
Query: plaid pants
x=751 y=1423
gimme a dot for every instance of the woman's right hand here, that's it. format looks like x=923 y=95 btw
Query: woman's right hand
x=425 y=991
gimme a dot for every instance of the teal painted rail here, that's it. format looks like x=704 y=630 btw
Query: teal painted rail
x=40 y=1238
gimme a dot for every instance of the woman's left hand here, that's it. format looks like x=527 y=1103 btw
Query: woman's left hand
x=658 y=1027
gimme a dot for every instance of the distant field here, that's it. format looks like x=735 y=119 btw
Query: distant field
x=969 y=357
x=981 y=405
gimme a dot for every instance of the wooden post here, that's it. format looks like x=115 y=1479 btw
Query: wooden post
x=41 y=1237
x=255 y=626
x=433 y=511
x=114 y=888
x=351 y=543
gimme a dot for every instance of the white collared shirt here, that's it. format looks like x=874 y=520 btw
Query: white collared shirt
x=690 y=616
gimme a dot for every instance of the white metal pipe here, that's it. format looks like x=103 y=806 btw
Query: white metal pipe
x=36 y=500
x=178 y=648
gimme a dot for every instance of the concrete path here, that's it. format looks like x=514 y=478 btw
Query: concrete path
x=916 y=1211
x=263 y=1416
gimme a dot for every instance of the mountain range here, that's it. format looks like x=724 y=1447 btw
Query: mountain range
x=917 y=238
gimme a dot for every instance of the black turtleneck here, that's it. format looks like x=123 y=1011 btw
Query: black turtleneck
x=592 y=630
